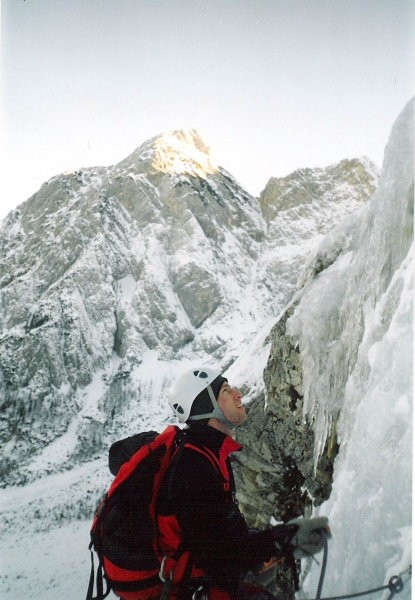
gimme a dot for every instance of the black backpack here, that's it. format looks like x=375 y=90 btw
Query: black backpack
x=120 y=452
x=123 y=531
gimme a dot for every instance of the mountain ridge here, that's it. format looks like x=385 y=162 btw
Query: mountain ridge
x=104 y=267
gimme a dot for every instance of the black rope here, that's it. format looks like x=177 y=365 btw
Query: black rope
x=323 y=567
x=395 y=583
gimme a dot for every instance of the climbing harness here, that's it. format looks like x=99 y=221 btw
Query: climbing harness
x=395 y=584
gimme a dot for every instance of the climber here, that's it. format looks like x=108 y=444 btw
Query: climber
x=197 y=510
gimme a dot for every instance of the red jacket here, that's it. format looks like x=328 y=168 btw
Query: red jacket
x=197 y=507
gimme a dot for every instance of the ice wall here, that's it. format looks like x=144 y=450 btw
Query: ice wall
x=354 y=327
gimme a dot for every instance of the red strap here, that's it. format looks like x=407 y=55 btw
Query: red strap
x=220 y=465
x=165 y=463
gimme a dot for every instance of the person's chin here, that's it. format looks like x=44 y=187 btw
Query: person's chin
x=242 y=419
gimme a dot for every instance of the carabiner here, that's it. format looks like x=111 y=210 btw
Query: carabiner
x=200 y=594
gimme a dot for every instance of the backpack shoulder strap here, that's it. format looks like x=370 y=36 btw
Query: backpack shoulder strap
x=212 y=458
x=181 y=443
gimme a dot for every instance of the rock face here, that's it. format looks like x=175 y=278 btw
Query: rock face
x=276 y=469
x=113 y=278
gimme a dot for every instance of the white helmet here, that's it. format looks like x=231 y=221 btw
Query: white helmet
x=188 y=387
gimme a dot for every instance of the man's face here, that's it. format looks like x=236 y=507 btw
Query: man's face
x=230 y=401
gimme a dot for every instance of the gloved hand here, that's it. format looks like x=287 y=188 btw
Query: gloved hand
x=302 y=536
x=309 y=537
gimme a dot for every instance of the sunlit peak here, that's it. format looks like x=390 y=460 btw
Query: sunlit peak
x=183 y=152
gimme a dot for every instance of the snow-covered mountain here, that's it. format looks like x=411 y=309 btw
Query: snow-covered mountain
x=114 y=278
x=107 y=270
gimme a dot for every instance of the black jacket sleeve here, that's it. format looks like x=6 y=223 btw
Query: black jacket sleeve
x=214 y=529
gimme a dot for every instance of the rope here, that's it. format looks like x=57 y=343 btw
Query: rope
x=323 y=567
x=395 y=583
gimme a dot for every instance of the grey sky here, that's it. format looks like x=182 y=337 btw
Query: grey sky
x=272 y=85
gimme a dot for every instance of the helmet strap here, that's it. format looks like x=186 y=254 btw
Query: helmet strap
x=216 y=413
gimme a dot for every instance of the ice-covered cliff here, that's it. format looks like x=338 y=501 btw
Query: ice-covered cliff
x=340 y=370
x=366 y=383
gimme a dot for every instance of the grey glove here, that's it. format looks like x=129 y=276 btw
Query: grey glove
x=309 y=536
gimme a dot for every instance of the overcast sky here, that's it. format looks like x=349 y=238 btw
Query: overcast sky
x=271 y=85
